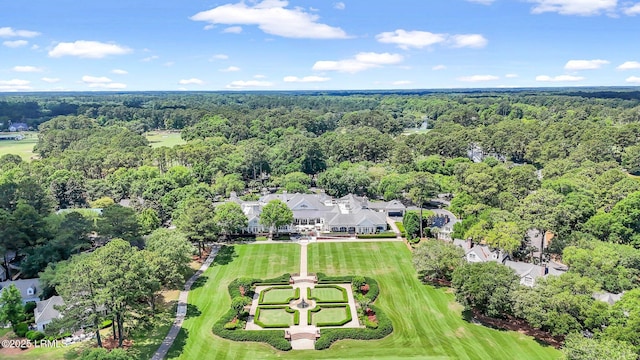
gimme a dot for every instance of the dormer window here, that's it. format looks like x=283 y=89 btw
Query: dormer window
x=31 y=291
x=472 y=256
x=528 y=280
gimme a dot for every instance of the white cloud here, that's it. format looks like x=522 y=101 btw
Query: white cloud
x=362 y=61
x=469 y=40
x=483 y=2
x=169 y=64
x=420 y=39
x=15 y=43
x=150 y=58
x=10 y=32
x=259 y=76
x=574 y=7
x=410 y=39
x=478 y=78
x=102 y=82
x=439 y=67
x=306 y=79
x=632 y=10
x=633 y=79
x=192 y=81
x=272 y=17
x=339 y=6
x=14 y=85
x=26 y=69
x=119 y=72
x=35 y=47
x=233 y=30
x=230 y=69
x=629 y=65
x=402 y=82
x=207 y=27
x=559 y=78
x=50 y=80
x=88 y=49
x=585 y=64
x=241 y=84
x=511 y=76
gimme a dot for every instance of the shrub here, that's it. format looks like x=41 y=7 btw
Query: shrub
x=246 y=283
x=401 y=228
x=374 y=289
x=21 y=329
x=382 y=235
x=370 y=324
x=34 y=335
x=238 y=303
x=274 y=338
x=329 y=336
x=231 y=325
x=324 y=279
x=357 y=282
x=106 y=324
x=280 y=280
x=29 y=307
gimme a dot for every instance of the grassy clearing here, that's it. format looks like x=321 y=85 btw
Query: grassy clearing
x=278 y=295
x=329 y=315
x=327 y=294
x=164 y=138
x=22 y=148
x=275 y=316
x=428 y=323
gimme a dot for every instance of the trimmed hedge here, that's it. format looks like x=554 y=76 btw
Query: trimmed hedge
x=336 y=323
x=345 y=297
x=280 y=280
x=256 y=318
x=295 y=296
x=401 y=228
x=274 y=338
x=329 y=336
x=383 y=235
x=374 y=289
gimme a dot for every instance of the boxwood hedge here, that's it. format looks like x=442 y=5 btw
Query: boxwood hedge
x=274 y=338
x=329 y=336
x=334 y=323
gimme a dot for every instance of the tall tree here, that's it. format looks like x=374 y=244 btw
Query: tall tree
x=540 y=211
x=196 y=221
x=274 y=215
x=437 y=260
x=422 y=188
x=229 y=218
x=11 y=309
x=506 y=236
x=485 y=286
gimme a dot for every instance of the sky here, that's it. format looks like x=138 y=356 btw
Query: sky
x=204 y=45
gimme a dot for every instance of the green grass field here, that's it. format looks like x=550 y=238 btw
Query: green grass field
x=22 y=148
x=327 y=294
x=428 y=324
x=163 y=138
x=278 y=295
x=329 y=315
x=275 y=316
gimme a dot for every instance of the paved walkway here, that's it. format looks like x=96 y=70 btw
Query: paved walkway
x=181 y=313
x=303 y=260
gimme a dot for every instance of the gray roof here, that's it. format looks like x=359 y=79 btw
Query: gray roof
x=24 y=286
x=608 y=297
x=45 y=310
x=525 y=269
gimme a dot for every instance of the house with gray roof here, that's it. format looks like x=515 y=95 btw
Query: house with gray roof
x=18 y=127
x=480 y=253
x=609 y=298
x=320 y=212
x=529 y=273
x=45 y=311
x=30 y=289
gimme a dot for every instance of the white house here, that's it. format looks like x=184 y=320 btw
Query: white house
x=45 y=312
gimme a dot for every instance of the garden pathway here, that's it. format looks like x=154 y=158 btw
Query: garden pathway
x=181 y=313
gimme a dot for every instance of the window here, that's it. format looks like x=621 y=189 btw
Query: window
x=528 y=280
x=31 y=291
x=472 y=256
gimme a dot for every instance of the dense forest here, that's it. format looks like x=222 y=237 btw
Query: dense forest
x=563 y=162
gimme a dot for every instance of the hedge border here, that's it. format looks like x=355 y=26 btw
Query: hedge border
x=374 y=288
x=345 y=296
x=296 y=316
x=348 y=317
x=383 y=235
x=274 y=338
x=296 y=295
x=331 y=335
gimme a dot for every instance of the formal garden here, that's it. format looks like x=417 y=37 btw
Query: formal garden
x=425 y=321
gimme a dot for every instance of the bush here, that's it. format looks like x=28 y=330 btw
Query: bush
x=21 y=329
x=400 y=226
x=280 y=280
x=231 y=325
x=357 y=282
x=382 y=235
x=329 y=336
x=234 y=287
x=274 y=338
x=374 y=289
x=29 y=307
x=34 y=335
x=324 y=279
x=370 y=324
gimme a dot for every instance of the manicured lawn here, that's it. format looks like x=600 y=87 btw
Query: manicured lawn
x=163 y=138
x=329 y=315
x=277 y=295
x=327 y=294
x=427 y=323
x=275 y=316
x=22 y=148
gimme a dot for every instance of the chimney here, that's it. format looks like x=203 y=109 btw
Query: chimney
x=469 y=243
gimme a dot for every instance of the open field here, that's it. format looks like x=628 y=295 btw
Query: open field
x=164 y=138
x=427 y=322
x=22 y=148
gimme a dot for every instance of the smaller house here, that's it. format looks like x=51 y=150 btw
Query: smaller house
x=45 y=311
x=30 y=289
x=18 y=127
x=529 y=273
x=480 y=253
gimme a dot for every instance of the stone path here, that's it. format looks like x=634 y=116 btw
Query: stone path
x=181 y=313
x=303 y=260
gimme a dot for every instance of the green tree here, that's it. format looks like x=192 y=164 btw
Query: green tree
x=486 y=287
x=148 y=220
x=238 y=304
x=275 y=214
x=540 y=211
x=422 y=188
x=102 y=203
x=577 y=347
x=118 y=221
x=229 y=218
x=11 y=309
x=506 y=236
x=437 y=260
x=174 y=251
x=196 y=221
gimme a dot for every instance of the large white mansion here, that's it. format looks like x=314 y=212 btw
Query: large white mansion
x=320 y=212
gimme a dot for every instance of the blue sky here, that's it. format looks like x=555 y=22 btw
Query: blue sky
x=311 y=44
